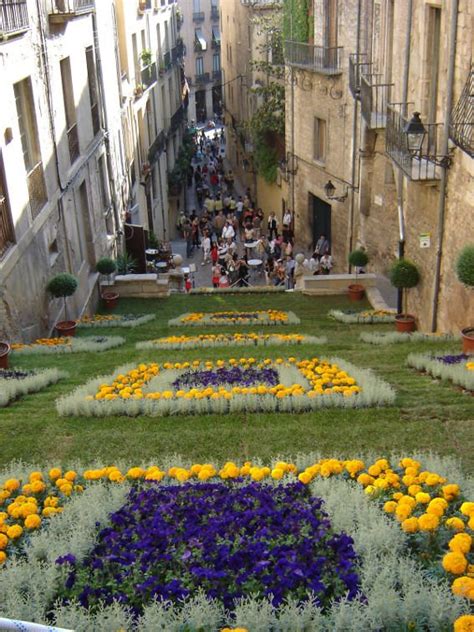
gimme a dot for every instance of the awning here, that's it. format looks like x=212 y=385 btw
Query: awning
x=200 y=39
x=216 y=34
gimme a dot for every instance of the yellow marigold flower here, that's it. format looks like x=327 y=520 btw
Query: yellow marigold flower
x=12 y=484
x=3 y=541
x=454 y=562
x=33 y=521
x=277 y=473
x=456 y=524
x=304 y=477
x=422 y=498
x=70 y=475
x=3 y=557
x=403 y=511
x=464 y=587
x=365 y=479
x=467 y=509
x=471 y=522
x=390 y=506
x=435 y=510
x=14 y=531
x=37 y=487
x=136 y=472
x=407 y=500
x=35 y=476
x=413 y=490
x=410 y=525
x=461 y=543
x=428 y=522
x=450 y=492
x=54 y=473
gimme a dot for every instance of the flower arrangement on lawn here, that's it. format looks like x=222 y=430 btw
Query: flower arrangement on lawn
x=250 y=546
x=395 y=337
x=366 y=317
x=458 y=368
x=14 y=382
x=244 y=384
x=253 y=317
x=115 y=320
x=224 y=340
x=87 y=344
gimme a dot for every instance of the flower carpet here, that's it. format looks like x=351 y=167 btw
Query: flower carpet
x=366 y=317
x=224 y=340
x=115 y=320
x=395 y=337
x=458 y=368
x=324 y=544
x=14 y=383
x=244 y=384
x=65 y=344
x=254 y=317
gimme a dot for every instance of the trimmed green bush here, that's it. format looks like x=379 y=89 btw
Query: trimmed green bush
x=358 y=258
x=403 y=275
x=106 y=266
x=465 y=266
x=62 y=286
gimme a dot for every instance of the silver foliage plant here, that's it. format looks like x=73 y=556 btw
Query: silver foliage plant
x=13 y=388
x=78 y=345
x=359 y=318
x=456 y=373
x=130 y=323
x=394 y=337
x=262 y=342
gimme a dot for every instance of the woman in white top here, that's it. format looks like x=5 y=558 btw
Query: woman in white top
x=228 y=231
x=326 y=263
x=287 y=217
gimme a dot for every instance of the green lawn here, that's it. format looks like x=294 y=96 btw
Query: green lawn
x=427 y=416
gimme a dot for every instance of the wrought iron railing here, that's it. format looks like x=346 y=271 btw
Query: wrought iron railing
x=214 y=13
x=374 y=98
x=13 y=16
x=157 y=147
x=7 y=233
x=422 y=165
x=204 y=78
x=198 y=16
x=216 y=44
x=461 y=129
x=71 y=7
x=217 y=75
x=177 y=118
x=357 y=64
x=167 y=60
x=177 y=52
x=37 y=189
x=148 y=75
x=320 y=59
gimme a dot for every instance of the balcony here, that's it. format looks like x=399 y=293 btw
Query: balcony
x=374 y=98
x=214 y=13
x=358 y=64
x=202 y=79
x=199 y=16
x=63 y=10
x=177 y=52
x=148 y=75
x=37 y=188
x=177 y=118
x=157 y=147
x=319 y=59
x=13 y=17
x=217 y=75
x=461 y=129
x=7 y=233
x=167 y=61
x=421 y=166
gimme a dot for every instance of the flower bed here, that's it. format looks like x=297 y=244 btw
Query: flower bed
x=14 y=383
x=394 y=337
x=366 y=317
x=244 y=384
x=201 y=537
x=88 y=344
x=459 y=369
x=253 y=317
x=224 y=340
x=115 y=320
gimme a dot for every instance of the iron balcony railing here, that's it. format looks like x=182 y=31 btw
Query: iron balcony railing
x=167 y=60
x=320 y=59
x=214 y=13
x=198 y=16
x=157 y=147
x=419 y=166
x=13 y=17
x=148 y=75
x=217 y=75
x=461 y=129
x=216 y=44
x=37 y=189
x=204 y=78
x=177 y=52
x=357 y=65
x=65 y=9
x=7 y=233
x=177 y=118
x=374 y=98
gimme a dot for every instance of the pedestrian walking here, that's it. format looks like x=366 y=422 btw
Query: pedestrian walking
x=272 y=226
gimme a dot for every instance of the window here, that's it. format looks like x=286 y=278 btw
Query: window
x=216 y=62
x=319 y=140
x=196 y=6
x=7 y=233
x=199 y=66
x=93 y=91
x=330 y=23
x=30 y=144
x=432 y=61
x=70 y=109
x=200 y=43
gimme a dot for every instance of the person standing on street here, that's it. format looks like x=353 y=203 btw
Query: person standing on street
x=272 y=225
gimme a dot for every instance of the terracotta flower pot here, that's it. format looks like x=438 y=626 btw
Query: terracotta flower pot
x=110 y=300
x=356 y=291
x=468 y=340
x=66 y=328
x=405 y=323
x=4 y=352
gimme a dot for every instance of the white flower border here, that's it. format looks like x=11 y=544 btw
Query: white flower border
x=11 y=389
x=78 y=345
x=395 y=337
x=396 y=588
x=207 y=321
x=343 y=317
x=456 y=373
x=374 y=392
x=116 y=322
x=273 y=341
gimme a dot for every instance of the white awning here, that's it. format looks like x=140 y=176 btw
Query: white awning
x=200 y=39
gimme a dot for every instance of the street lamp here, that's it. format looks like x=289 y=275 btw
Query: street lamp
x=330 y=191
x=415 y=132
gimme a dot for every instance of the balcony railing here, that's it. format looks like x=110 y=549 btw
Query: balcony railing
x=461 y=130
x=167 y=60
x=157 y=147
x=320 y=59
x=420 y=166
x=217 y=75
x=37 y=189
x=216 y=44
x=200 y=79
x=214 y=13
x=198 y=16
x=61 y=10
x=13 y=17
x=177 y=52
x=374 y=98
x=7 y=233
x=148 y=75
x=177 y=118
x=358 y=64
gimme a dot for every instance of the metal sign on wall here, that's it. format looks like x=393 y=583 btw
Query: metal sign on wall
x=425 y=240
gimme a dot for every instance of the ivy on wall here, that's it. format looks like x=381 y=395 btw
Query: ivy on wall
x=297 y=21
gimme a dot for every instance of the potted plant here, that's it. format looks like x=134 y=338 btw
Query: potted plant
x=357 y=258
x=126 y=264
x=465 y=273
x=4 y=352
x=146 y=57
x=404 y=275
x=62 y=286
x=107 y=266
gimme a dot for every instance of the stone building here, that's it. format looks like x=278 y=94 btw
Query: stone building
x=354 y=87
x=200 y=31
x=245 y=40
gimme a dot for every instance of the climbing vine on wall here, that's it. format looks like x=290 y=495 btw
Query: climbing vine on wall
x=297 y=21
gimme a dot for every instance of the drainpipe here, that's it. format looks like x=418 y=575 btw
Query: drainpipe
x=400 y=201
x=444 y=152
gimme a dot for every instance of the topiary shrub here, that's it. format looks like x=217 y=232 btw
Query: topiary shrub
x=358 y=258
x=403 y=275
x=465 y=266
x=106 y=266
x=61 y=286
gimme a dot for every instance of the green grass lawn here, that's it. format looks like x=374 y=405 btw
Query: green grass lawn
x=428 y=415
